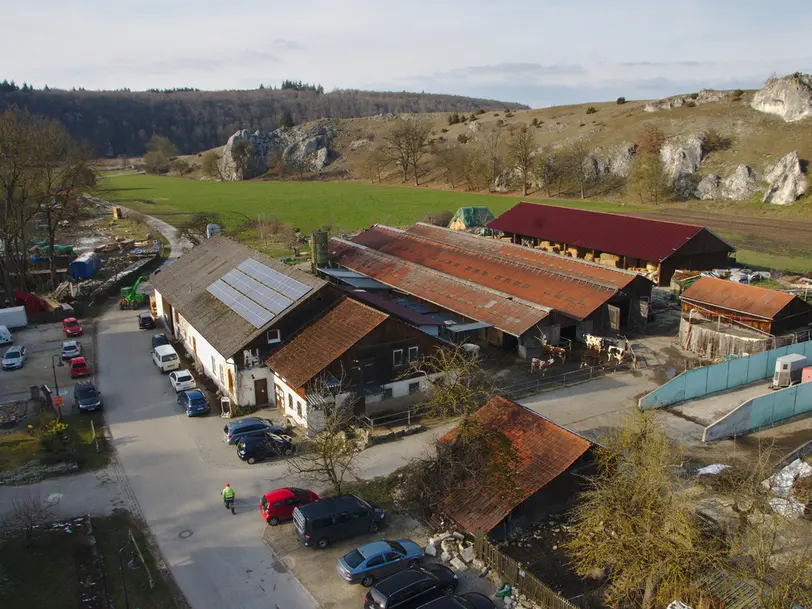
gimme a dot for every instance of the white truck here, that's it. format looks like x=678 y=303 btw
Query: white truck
x=13 y=317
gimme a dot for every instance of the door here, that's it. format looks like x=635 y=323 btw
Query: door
x=641 y=318
x=288 y=506
x=614 y=318
x=584 y=327
x=392 y=562
x=260 y=391
x=280 y=397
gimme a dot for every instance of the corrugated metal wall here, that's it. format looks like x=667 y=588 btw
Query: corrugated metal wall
x=763 y=411
x=720 y=377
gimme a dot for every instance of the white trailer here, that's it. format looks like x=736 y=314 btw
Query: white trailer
x=13 y=317
x=788 y=370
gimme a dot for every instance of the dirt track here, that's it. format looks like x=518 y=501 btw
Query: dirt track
x=771 y=236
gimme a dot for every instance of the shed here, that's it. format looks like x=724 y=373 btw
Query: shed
x=84 y=266
x=629 y=242
x=467 y=218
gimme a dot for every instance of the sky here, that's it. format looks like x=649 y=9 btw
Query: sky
x=537 y=52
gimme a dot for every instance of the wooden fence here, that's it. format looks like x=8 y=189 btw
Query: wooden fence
x=521 y=581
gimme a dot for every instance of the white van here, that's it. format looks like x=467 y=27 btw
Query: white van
x=166 y=358
x=5 y=336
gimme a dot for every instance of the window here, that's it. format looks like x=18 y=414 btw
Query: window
x=412 y=354
x=397 y=357
x=299 y=408
x=222 y=376
x=290 y=403
x=273 y=336
x=278 y=504
x=392 y=557
x=414 y=388
x=213 y=366
x=387 y=393
x=375 y=561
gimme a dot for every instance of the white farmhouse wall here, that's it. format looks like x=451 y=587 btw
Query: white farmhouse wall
x=245 y=385
x=293 y=400
x=214 y=365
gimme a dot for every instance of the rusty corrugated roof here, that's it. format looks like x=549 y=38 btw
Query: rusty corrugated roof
x=570 y=294
x=741 y=298
x=544 y=451
x=325 y=340
x=511 y=315
x=644 y=238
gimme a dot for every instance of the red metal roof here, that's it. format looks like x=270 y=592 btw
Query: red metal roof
x=651 y=240
x=324 y=341
x=543 y=449
x=741 y=298
x=570 y=294
x=511 y=315
x=391 y=307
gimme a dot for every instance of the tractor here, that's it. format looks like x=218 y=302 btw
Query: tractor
x=131 y=298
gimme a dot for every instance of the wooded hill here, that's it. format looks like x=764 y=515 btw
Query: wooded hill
x=119 y=123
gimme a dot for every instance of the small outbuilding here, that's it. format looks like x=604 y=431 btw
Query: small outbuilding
x=84 y=266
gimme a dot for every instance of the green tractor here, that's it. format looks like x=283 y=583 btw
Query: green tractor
x=131 y=298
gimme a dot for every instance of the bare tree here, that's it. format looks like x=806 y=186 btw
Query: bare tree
x=376 y=160
x=650 y=140
x=649 y=179
x=210 y=164
x=451 y=158
x=521 y=147
x=194 y=229
x=29 y=511
x=577 y=164
x=634 y=524
x=549 y=171
x=179 y=166
x=408 y=143
x=493 y=148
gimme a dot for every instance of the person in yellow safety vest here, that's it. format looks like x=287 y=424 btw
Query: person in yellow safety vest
x=228 y=493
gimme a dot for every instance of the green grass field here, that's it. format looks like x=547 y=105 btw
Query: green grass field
x=306 y=205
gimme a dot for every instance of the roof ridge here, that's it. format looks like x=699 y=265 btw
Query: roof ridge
x=611 y=213
x=466 y=282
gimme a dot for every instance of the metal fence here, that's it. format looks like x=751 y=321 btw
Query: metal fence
x=406 y=417
x=521 y=581
x=547 y=383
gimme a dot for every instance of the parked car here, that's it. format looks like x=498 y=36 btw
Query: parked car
x=165 y=358
x=159 y=339
x=377 y=560
x=145 y=321
x=182 y=380
x=278 y=504
x=239 y=428
x=412 y=588
x=86 y=396
x=323 y=522
x=71 y=349
x=14 y=358
x=469 y=600
x=268 y=446
x=79 y=367
x=71 y=327
x=194 y=402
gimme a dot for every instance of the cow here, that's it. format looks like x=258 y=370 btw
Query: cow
x=559 y=352
x=540 y=364
x=594 y=342
x=617 y=353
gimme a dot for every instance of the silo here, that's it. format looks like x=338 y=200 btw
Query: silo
x=318 y=249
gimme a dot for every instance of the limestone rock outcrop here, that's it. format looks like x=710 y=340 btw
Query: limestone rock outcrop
x=789 y=97
x=615 y=161
x=786 y=181
x=681 y=157
x=738 y=186
x=246 y=154
x=705 y=96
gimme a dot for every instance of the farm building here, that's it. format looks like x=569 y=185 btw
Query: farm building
x=550 y=463
x=653 y=247
x=353 y=353
x=494 y=291
x=721 y=317
x=469 y=218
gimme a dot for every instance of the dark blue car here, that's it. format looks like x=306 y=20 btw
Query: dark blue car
x=194 y=402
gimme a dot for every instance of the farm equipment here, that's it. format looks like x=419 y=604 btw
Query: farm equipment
x=131 y=298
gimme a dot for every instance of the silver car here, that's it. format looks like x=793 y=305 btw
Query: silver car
x=14 y=358
x=237 y=429
x=71 y=349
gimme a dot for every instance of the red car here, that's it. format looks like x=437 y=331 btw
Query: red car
x=71 y=327
x=79 y=367
x=279 y=504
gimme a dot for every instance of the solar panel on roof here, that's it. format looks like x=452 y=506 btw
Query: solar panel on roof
x=240 y=304
x=273 y=279
x=258 y=292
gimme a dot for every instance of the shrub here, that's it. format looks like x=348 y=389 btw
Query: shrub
x=500 y=122
x=453 y=119
x=54 y=436
x=690 y=103
x=621 y=101
x=591 y=110
x=496 y=114
x=508 y=114
x=473 y=117
x=463 y=118
x=694 y=95
x=462 y=138
x=535 y=122
x=736 y=95
x=442 y=218
x=443 y=130
x=712 y=140
x=650 y=140
x=481 y=111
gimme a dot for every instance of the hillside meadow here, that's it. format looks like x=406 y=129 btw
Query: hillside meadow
x=352 y=205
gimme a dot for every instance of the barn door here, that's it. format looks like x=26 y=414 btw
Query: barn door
x=614 y=318
x=552 y=334
x=584 y=327
x=639 y=318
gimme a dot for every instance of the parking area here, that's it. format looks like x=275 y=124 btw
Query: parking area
x=316 y=569
x=42 y=342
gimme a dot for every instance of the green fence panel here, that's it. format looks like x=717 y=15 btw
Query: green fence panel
x=737 y=374
x=717 y=377
x=757 y=367
x=696 y=383
x=761 y=412
x=803 y=398
x=784 y=406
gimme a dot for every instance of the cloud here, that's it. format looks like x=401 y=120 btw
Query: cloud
x=664 y=64
x=287 y=45
x=508 y=71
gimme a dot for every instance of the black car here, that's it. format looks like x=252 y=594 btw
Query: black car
x=411 y=588
x=469 y=600
x=145 y=321
x=322 y=522
x=86 y=397
x=159 y=339
x=267 y=446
